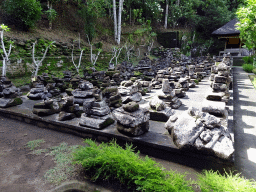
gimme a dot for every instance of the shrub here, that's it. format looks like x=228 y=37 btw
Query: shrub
x=28 y=11
x=214 y=181
x=248 y=59
x=107 y=161
x=248 y=68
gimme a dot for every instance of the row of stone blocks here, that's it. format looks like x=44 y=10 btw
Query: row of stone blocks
x=207 y=129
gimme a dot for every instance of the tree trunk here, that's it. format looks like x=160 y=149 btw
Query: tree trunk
x=119 y=21
x=166 y=14
x=115 y=21
x=5 y=54
x=4 y=68
x=130 y=16
x=37 y=68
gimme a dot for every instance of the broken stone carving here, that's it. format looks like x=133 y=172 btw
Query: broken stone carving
x=202 y=131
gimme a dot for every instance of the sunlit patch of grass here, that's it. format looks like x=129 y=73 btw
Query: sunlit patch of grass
x=62 y=156
x=34 y=144
x=213 y=181
x=39 y=151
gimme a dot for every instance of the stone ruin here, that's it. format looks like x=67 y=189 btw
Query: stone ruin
x=206 y=130
x=202 y=131
x=9 y=94
x=129 y=100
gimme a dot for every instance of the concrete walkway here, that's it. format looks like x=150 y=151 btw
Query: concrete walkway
x=244 y=124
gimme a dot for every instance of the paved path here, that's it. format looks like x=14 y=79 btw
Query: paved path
x=244 y=124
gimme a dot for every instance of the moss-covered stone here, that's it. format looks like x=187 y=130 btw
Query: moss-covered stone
x=131 y=107
x=137 y=73
x=109 y=90
x=133 y=79
x=18 y=101
x=111 y=73
x=69 y=91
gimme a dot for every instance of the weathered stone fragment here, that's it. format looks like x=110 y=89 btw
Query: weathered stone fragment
x=214 y=108
x=163 y=115
x=63 y=116
x=95 y=123
x=157 y=104
x=166 y=88
x=136 y=97
x=132 y=124
x=9 y=102
x=131 y=107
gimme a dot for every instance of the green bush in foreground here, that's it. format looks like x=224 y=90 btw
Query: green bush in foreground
x=213 y=181
x=112 y=161
x=248 y=68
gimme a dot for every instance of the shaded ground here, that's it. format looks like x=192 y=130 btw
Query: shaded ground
x=23 y=171
x=244 y=124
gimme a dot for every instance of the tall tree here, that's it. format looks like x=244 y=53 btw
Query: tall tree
x=117 y=23
x=247 y=25
x=166 y=14
x=5 y=54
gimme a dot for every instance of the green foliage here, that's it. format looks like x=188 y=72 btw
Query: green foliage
x=28 y=11
x=212 y=15
x=248 y=68
x=111 y=161
x=137 y=73
x=4 y=27
x=196 y=81
x=253 y=78
x=20 y=81
x=254 y=71
x=99 y=45
x=184 y=14
x=51 y=14
x=89 y=13
x=214 y=181
x=248 y=59
x=247 y=19
x=34 y=144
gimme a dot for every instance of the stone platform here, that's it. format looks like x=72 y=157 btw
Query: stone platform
x=156 y=141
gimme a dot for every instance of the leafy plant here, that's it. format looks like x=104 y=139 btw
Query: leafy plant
x=28 y=11
x=214 y=181
x=51 y=14
x=246 y=25
x=196 y=81
x=248 y=59
x=112 y=161
x=248 y=68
